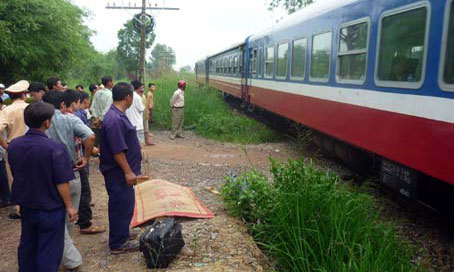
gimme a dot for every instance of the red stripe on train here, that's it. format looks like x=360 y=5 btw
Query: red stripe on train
x=423 y=144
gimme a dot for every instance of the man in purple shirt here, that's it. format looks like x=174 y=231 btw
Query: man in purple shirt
x=42 y=171
x=120 y=164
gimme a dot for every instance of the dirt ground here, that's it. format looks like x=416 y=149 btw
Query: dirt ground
x=218 y=244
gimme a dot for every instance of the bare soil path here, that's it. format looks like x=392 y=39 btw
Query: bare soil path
x=218 y=244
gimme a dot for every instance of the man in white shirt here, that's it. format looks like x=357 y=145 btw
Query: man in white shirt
x=135 y=112
x=177 y=106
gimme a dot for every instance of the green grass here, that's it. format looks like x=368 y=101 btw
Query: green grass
x=207 y=113
x=308 y=221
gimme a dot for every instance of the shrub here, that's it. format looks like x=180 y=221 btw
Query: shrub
x=310 y=222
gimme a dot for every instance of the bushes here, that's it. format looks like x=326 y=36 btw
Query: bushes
x=309 y=222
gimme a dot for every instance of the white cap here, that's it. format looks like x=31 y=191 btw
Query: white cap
x=19 y=87
x=2 y=86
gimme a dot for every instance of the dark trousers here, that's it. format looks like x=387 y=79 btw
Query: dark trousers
x=97 y=132
x=5 y=193
x=42 y=240
x=121 y=207
x=85 y=213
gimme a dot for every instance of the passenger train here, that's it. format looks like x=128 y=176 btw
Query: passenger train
x=377 y=75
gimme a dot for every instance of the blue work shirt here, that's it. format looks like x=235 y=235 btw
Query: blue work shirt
x=82 y=114
x=64 y=128
x=38 y=164
x=119 y=135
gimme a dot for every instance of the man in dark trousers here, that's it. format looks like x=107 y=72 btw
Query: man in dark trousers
x=120 y=164
x=42 y=171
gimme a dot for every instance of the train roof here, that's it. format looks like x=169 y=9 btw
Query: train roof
x=318 y=8
x=233 y=46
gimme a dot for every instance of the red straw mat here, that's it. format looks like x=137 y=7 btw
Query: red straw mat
x=157 y=198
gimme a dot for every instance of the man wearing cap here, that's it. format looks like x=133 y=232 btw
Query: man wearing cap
x=12 y=124
x=177 y=106
x=3 y=95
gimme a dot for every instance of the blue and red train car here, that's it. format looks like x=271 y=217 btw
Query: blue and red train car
x=376 y=74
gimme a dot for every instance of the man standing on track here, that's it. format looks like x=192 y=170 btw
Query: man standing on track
x=120 y=165
x=177 y=106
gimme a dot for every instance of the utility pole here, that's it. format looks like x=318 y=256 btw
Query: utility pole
x=143 y=17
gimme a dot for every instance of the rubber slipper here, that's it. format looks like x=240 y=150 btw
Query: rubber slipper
x=93 y=230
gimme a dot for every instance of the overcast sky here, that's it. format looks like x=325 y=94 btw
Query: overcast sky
x=199 y=28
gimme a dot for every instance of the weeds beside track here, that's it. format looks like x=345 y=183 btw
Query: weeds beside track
x=308 y=221
x=208 y=114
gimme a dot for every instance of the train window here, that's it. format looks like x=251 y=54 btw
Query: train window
x=321 y=56
x=269 y=62
x=252 y=62
x=298 y=67
x=235 y=65
x=402 y=48
x=230 y=65
x=447 y=60
x=352 y=53
x=282 y=60
x=241 y=65
x=225 y=66
x=260 y=63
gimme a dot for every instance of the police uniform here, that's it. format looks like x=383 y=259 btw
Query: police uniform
x=119 y=135
x=39 y=164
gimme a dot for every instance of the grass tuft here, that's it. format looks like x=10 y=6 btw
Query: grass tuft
x=310 y=222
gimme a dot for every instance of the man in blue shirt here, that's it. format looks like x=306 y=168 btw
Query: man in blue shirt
x=120 y=164
x=42 y=171
x=64 y=129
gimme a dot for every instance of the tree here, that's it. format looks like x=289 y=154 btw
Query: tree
x=186 y=69
x=128 y=49
x=162 y=58
x=40 y=38
x=289 y=5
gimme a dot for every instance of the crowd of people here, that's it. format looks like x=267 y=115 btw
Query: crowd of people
x=48 y=136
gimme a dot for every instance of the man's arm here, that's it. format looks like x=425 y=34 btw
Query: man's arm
x=4 y=123
x=139 y=104
x=150 y=100
x=86 y=134
x=131 y=178
x=3 y=143
x=65 y=194
x=89 y=143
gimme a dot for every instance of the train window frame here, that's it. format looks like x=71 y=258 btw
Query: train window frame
x=402 y=84
x=284 y=42
x=314 y=79
x=298 y=78
x=266 y=60
x=260 y=62
x=447 y=87
x=353 y=52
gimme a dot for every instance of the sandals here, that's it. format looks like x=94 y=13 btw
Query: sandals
x=126 y=248
x=14 y=215
x=92 y=230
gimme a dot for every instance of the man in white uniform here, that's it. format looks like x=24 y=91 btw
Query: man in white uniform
x=135 y=112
